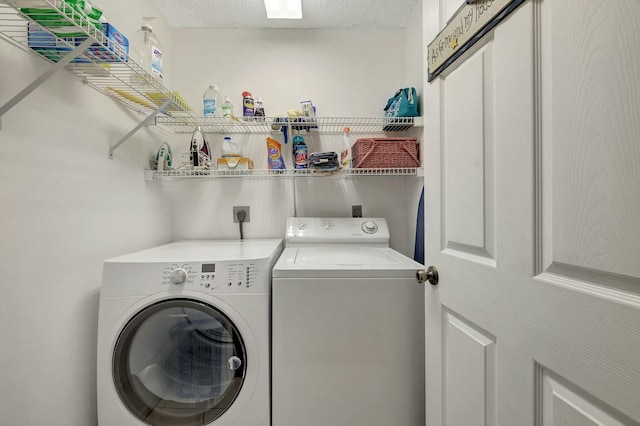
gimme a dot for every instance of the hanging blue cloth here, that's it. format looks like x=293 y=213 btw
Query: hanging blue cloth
x=418 y=252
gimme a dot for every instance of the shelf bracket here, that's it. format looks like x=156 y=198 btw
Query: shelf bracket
x=48 y=73
x=138 y=127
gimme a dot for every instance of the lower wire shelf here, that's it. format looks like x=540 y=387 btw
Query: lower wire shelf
x=264 y=173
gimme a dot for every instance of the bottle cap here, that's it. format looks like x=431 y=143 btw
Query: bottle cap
x=146 y=25
x=298 y=138
x=245 y=94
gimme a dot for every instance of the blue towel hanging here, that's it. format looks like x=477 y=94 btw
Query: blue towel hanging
x=418 y=253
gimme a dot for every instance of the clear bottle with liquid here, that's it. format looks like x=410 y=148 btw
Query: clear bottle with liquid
x=227 y=108
x=345 y=155
x=210 y=101
x=145 y=50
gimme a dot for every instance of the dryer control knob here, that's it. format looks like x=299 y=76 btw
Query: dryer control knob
x=369 y=227
x=178 y=276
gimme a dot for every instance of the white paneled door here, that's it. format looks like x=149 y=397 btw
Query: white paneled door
x=532 y=203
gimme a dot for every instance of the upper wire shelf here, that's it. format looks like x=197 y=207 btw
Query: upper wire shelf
x=117 y=76
x=324 y=125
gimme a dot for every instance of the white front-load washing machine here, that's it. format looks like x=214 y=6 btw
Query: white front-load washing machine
x=183 y=335
x=347 y=327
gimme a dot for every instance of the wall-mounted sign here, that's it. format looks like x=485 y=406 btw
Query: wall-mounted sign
x=470 y=23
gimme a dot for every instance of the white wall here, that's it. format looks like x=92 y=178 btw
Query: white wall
x=65 y=208
x=415 y=53
x=344 y=72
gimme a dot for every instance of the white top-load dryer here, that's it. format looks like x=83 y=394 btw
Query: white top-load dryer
x=347 y=327
x=183 y=335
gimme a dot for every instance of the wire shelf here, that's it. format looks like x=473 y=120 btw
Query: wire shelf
x=104 y=66
x=263 y=173
x=321 y=125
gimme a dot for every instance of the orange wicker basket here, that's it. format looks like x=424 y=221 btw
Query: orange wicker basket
x=385 y=153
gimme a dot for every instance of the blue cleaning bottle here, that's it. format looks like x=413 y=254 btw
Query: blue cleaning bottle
x=299 y=153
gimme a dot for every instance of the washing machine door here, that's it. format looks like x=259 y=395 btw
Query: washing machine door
x=179 y=362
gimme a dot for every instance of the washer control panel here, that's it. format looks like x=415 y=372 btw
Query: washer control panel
x=310 y=230
x=224 y=277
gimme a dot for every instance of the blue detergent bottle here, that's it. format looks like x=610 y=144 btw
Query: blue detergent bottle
x=299 y=153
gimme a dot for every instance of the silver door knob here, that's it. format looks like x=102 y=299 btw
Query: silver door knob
x=431 y=275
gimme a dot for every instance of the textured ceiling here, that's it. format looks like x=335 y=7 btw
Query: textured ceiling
x=315 y=13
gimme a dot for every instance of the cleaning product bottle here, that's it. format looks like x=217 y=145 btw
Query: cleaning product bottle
x=145 y=50
x=210 y=101
x=227 y=108
x=230 y=148
x=299 y=153
x=247 y=105
x=259 y=111
x=345 y=155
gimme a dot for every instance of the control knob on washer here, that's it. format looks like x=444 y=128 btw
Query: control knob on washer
x=178 y=276
x=369 y=227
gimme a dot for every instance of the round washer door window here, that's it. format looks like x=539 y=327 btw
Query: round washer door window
x=179 y=362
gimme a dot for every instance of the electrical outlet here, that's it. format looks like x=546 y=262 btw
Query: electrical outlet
x=237 y=209
x=356 y=211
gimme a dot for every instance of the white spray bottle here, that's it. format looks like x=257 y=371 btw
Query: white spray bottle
x=345 y=155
